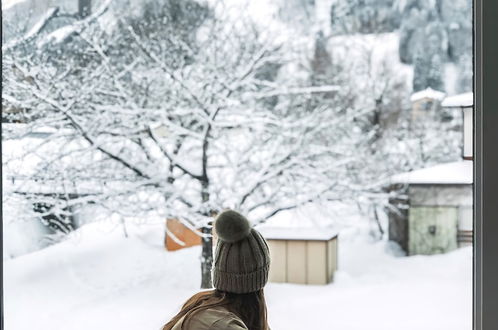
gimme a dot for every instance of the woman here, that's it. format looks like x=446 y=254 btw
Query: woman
x=239 y=274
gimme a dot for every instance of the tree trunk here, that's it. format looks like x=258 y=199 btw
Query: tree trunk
x=125 y=231
x=206 y=259
x=207 y=244
x=377 y=220
x=207 y=239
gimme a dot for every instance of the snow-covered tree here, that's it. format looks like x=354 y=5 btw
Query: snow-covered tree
x=181 y=108
x=152 y=120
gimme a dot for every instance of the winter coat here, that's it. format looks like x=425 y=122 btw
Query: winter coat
x=216 y=318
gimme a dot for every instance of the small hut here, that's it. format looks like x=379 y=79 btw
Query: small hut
x=301 y=255
x=425 y=102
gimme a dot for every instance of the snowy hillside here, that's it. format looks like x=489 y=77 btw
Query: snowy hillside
x=98 y=279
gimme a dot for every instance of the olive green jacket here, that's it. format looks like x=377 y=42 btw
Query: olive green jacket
x=217 y=318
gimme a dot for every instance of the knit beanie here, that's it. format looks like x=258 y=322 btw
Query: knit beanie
x=242 y=258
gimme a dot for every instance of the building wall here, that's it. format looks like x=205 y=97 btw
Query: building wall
x=303 y=261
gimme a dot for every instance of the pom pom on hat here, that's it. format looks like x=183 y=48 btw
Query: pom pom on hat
x=231 y=226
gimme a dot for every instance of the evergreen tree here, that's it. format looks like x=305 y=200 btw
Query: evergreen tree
x=429 y=58
x=465 y=73
x=434 y=77
x=419 y=72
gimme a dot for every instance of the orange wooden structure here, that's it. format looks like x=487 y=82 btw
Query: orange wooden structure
x=182 y=232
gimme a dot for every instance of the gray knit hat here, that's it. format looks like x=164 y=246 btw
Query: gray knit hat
x=242 y=257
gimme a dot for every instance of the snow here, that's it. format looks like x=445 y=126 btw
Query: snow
x=372 y=55
x=322 y=13
x=23 y=156
x=97 y=279
x=59 y=35
x=328 y=216
x=38 y=26
x=22 y=232
x=6 y=4
x=427 y=93
x=460 y=100
x=65 y=32
x=460 y=172
x=451 y=73
x=298 y=233
x=261 y=12
x=61 y=186
x=20 y=155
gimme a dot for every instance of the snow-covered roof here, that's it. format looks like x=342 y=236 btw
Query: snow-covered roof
x=296 y=233
x=460 y=172
x=460 y=100
x=427 y=93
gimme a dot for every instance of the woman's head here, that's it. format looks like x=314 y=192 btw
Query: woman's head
x=242 y=257
x=239 y=273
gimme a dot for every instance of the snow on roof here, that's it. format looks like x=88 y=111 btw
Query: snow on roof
x=460 y=172
x=428 y=93
x=297 y=233
x=460 y=100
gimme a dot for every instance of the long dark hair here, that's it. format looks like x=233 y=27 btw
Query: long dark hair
x=249 y=307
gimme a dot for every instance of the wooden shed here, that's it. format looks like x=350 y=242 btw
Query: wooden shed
x=436 y=217
x=301 y=255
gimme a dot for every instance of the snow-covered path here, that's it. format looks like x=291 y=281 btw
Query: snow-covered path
x=100 y=280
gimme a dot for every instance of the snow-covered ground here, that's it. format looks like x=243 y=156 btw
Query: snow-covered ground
x=97 y=279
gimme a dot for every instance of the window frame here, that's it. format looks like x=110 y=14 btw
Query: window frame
x=485 y=267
